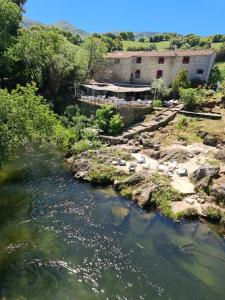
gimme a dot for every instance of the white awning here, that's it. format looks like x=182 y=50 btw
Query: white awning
x=117 y=89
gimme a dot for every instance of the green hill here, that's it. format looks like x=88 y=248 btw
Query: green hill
x=71 y=28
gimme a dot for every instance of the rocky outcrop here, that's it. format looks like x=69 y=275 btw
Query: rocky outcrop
x=210 y=140
x=204 y=175
x=180 y=155
x=143 y=194
x=218 y=189
x=220 y=155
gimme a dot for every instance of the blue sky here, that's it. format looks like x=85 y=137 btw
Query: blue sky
x=184 y=16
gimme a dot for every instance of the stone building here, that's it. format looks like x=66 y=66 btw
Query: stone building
x=143 y=67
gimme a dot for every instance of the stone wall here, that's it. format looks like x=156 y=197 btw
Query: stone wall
x=130 y=114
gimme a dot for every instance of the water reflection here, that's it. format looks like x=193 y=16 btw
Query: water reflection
x=64 y=240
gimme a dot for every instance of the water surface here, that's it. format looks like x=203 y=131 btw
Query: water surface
x=60 y=239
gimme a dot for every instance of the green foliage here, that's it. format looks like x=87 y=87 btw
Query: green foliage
x=44 y=55
x=160 y=88
x=190 y=213
x=182 y=123
x=103 y=117
x=116 y=124
x=126 y=36
x=180 y=81
x=164 y=194
x=212 y=213
x=190 y=98
x=84 y=145
x=10 y=17
x=215 y=76
x=95 y=51
x=157 y=103
x=25 y=118
x=102 y=174
x=220 y=57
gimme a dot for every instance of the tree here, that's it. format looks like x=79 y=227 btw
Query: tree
x=190 y=98
x=116 y=124
x=95 y=56
x=215 y=76
x=152 y=47
x=10 y=17
x=103 y=117
x=192 y=39
x=160 y=88
x=141 y=40
x=221 y=53
x=26 y=118
x=180 y=81
x=47 y=57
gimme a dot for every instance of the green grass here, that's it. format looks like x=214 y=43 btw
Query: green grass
x=160 y=45
x=221 y=66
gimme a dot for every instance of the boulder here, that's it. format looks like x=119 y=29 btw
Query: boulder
x=210 y=140
x=81 y=175
x=202 y=133
x=81 y=165
x=143 y=194
x=180 y=155
x=153 y=154
x=205 y=172
x=218 y=189
x=133 y=180
x=146 y=143
x=220 y=155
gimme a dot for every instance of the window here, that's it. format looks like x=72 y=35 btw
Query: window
x=138 y=60
x=186 y=59
x=137 y=74
x=200 y=71
x=117 y=61
x=161 y=60
x=159 y=74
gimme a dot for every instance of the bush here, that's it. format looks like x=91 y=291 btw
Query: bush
x=116 y=124
x=102 y=174
x=103 y=117
x=85 y=145
x=182 y=123
x=190 y=98
x=213 y=213
x=180 y=81
x=189 y=213
x=157 y=103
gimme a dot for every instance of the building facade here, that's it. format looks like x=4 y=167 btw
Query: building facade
x=142 y=68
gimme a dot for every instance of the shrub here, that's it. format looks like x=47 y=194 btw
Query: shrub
x=182 y=123
x=190 y=98
x=157 y=103
x=213 y=213
x=102 y=174
x=103 y=117
x=180 y=81
x=116 y=124
x=189 y=213
x=84 y=145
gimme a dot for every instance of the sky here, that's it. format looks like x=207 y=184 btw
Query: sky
x=202 y=17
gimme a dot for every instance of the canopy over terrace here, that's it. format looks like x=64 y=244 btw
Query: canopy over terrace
x=117 y=89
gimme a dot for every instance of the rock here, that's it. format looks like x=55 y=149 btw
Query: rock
x=81 y=165
x=133 y=180
x=144 y=135
x=81 y=175
x=152 y=154
x=120 y=212
x=210 y=140
x=71 y=160
x=190 y=201
x=131 y=142
x=136 y=149
x=218 y=189
x=146 y=143
x=180 y=155
x=220 y=155
x=144 y=194
x=156 y=147
x=205 y=172
x=202 y=134
x=117 y=184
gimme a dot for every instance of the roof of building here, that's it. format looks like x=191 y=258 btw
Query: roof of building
x=117 y=89
x=128 y=54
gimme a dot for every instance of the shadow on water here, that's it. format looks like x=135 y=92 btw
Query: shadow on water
x=60 y=239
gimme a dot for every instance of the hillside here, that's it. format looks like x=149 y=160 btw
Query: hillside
x=27 y=23
x=71 y=28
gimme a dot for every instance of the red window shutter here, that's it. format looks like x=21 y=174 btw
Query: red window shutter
x=186 y=59
x=161 y=60
x=159 y=74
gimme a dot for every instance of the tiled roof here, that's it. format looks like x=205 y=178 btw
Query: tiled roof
x=128 y=54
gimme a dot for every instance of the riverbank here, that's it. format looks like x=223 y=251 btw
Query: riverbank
x=182 y=180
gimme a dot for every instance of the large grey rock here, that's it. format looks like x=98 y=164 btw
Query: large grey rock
x=81 y=165
x=218 y=189
x=143 y=194
x=205 y=172
x=180 y=155
x=220 y=155
x=210 y=140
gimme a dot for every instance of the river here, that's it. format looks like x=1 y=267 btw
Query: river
x=61 y=239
